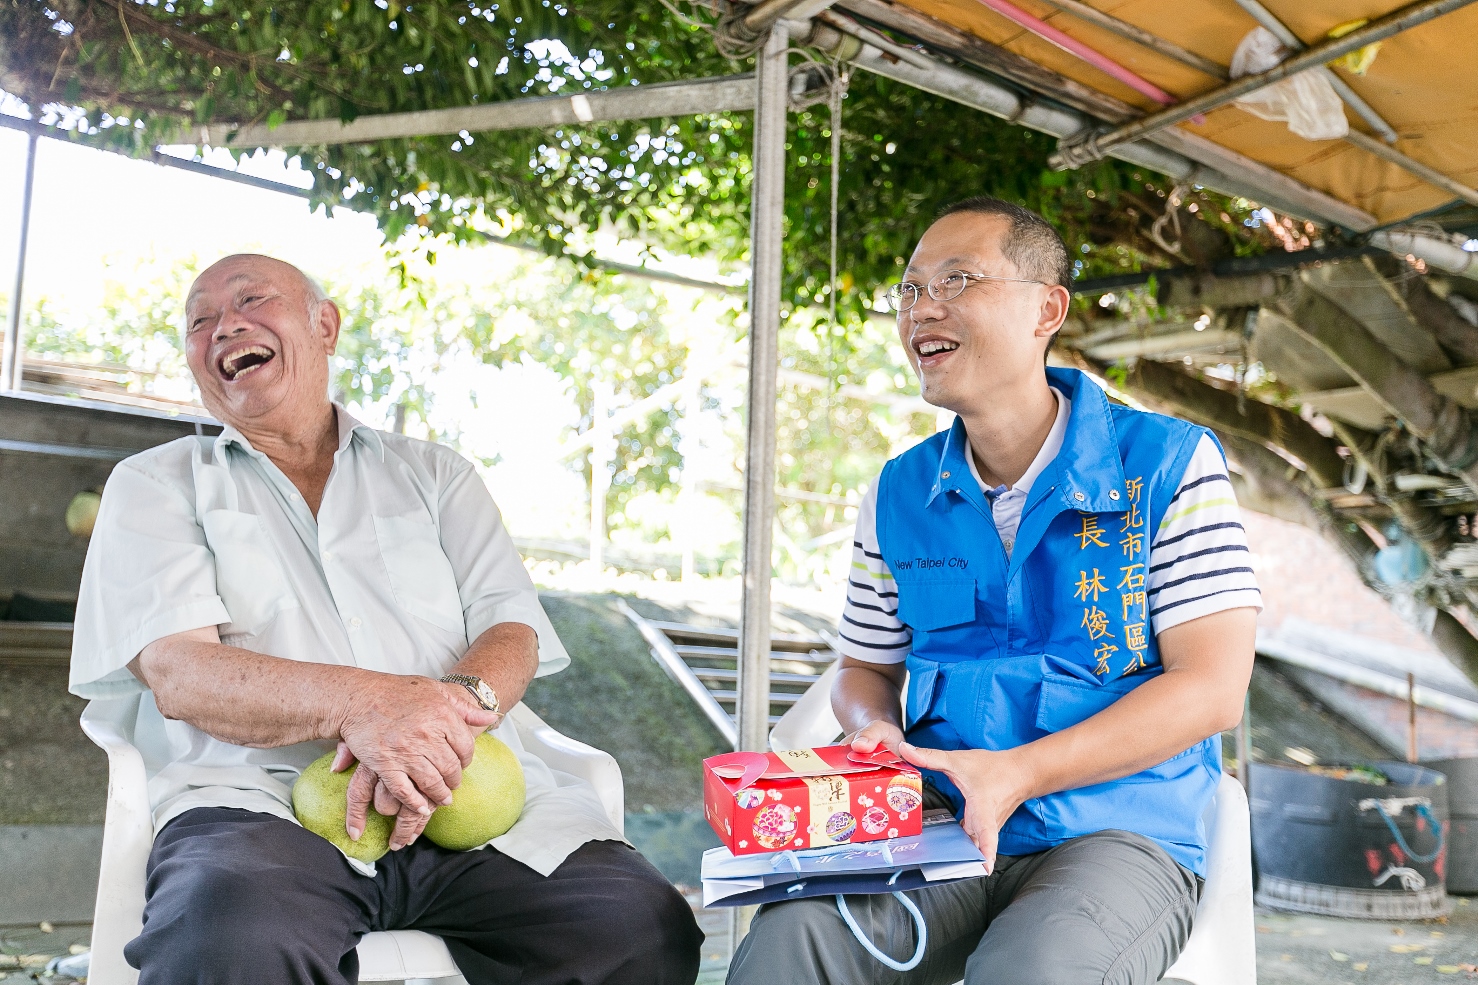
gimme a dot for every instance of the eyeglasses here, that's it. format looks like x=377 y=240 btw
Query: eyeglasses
x=944 y=287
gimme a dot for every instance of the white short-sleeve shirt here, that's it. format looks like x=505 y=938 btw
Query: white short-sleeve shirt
x=406 y=563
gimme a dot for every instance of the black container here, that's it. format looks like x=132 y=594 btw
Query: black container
x=1462 y=802
x=1351 y=849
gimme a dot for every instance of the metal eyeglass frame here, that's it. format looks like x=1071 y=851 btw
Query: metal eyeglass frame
x=896 y=295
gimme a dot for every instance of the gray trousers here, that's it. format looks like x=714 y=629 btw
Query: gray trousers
x=1111 y=907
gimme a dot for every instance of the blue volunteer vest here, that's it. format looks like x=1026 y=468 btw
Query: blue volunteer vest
x=1008 y=650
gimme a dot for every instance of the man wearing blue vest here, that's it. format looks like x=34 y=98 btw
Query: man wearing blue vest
x=1067 y=587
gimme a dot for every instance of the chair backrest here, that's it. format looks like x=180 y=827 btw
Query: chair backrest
x=128 y=833
x=809 y=722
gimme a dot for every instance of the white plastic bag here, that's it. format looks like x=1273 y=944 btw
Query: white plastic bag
x=1306 y=100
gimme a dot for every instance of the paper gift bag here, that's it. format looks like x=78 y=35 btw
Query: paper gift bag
x=941 y=852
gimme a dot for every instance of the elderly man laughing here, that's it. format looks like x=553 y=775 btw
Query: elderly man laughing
x=303 y=582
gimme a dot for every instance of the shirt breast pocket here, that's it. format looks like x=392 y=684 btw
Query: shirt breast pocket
x=420 y=574
x=1066 y=701
x=936 y=602
x=249 y=576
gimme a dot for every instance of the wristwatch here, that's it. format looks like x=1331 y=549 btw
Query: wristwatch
x=478 y=688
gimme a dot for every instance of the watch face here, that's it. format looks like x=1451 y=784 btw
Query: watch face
x=487 y=696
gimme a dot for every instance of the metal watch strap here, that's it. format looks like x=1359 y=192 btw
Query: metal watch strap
x=470 y=683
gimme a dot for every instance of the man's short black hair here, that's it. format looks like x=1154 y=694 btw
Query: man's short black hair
x=1031 y=244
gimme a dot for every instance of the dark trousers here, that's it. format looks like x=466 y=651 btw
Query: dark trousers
x=1110 y=908
x=235 y=896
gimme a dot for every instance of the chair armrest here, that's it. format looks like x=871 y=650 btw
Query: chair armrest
x=128 y=834
x=568 y=755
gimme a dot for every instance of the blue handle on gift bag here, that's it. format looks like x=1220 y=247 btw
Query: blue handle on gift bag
x=918 y=919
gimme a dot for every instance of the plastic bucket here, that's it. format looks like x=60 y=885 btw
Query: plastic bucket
x=1462 y=802
x=1351 y=849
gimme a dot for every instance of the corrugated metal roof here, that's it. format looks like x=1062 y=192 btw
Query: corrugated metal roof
x=1423 y=82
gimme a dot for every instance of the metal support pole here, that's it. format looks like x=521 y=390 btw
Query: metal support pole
x=723 y=94
x=1430 y=175
x=766 y=232
x=1140 y=36
x=12 y=362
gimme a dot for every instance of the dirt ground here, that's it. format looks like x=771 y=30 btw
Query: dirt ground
x=1296 y=949
x=1292 y=949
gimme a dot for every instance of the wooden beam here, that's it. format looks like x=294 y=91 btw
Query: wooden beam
x=1444 y=426
x=1173 y=343
x=1453 y=333
x=1356 y=405
x=766 y=247
x=1253 y=420
x=1456 y=643
x=1197 y=290
x=1266 y=485
x=722 y=94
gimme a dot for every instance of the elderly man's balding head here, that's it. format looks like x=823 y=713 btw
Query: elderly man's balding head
x=258 y=334
x=238 y=262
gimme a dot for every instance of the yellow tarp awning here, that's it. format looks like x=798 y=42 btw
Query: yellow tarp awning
x=1424 y=82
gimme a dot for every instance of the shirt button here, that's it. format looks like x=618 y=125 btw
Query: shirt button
x=944 y=475
x=355 y=623
x=1079 y=496
x=1113 y=494
x=1010 y=544
x=328 y=555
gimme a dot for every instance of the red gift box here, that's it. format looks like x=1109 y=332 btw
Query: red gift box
x=810 y=798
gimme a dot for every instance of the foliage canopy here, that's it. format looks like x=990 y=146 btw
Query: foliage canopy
x=140 y=72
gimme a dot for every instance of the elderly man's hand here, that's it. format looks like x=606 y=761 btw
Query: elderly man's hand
x=993 y=784
x=414 y=736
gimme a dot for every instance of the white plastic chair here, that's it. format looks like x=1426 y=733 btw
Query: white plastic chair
x=1222 y=949
x=409 y=956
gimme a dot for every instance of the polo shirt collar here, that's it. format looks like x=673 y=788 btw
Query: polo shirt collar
x=1085 y=471
x=349 y=429
x=953 y=474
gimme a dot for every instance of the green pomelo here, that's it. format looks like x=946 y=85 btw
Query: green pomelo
x=487 y=803
x=320 y=801
x=82 y=513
